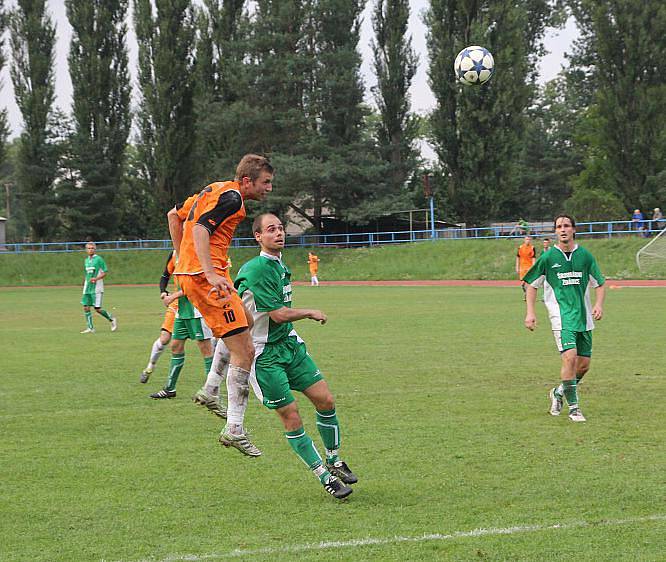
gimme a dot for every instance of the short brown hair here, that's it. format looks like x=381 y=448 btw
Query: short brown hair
x=564 y=216
x=259 y=220
x=251 y=165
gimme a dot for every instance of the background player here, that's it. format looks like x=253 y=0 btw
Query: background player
x=282 y=362
x=95 y=270
x=159 y=345
x=313 y=264
x=567 y=272
x=188 y=325
x=525 y=258
x=201 y=230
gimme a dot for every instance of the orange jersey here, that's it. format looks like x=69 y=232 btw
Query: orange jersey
x=219 y=208
x=526 y=255
x=313 y=262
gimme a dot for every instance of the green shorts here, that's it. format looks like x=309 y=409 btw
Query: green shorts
x=580 y=341
x=191 y=329
x=282 y=367
x=92 y=299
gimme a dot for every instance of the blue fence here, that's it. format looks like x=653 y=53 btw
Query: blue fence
x=602 y=229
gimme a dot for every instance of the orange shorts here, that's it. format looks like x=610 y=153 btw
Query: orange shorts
x=169 y=317
x=313 y=271
x=222 y=316
x=523 y=271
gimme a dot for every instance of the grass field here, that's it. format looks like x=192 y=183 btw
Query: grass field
x=442 y=399
x=443 y=259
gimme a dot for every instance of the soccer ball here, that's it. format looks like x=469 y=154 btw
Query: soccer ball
x=474 y=65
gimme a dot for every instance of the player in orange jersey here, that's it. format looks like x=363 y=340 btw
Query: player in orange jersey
x=525 y=259
x=159 y=345
x=313 y=264
x=201 y=230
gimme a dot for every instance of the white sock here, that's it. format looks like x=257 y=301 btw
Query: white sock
x=155 y=353
x=238 y=390
x=218 y=369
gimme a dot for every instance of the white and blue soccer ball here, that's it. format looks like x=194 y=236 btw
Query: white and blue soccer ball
x=474 y=65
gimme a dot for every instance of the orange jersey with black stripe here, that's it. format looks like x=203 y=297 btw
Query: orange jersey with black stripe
x=526 y=255
x=219 y=208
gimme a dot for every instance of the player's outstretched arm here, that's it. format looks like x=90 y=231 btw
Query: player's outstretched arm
x=285 y=314
x=598 y=309
x=175 y=229
x=530 y=300
x=202 y=247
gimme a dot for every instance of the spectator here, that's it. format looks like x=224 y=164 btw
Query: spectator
x=657 y=215
x=522 y=228
x=637 y=220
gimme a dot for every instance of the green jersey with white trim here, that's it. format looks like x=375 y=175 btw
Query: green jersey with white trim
x=92 y=265
x=566 y=281
x=264 y=284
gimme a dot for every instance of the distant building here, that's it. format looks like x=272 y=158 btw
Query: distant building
x=3 y=224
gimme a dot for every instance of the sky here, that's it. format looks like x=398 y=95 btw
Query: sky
x=557 y=43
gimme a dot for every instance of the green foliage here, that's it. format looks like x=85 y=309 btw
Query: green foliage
x=620 y=46
x=478 y=132
x=441 y=397
x=588 y=204
x=551 y=155
x=4 y=125
x=166 y=66
x=32 y=40
x=98 y=66
x=395 y=64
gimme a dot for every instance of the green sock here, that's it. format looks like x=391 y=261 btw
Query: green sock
x=89 y=321
x=303 y=446
x=570 y=393
x=208 y=361
x=329 y=429
x=105 y=314
x=177 y=362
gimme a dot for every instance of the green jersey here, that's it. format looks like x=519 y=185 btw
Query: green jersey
x=92 y=266
x=264 y=284
x=566 y=281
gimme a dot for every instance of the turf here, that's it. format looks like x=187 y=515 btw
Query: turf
x=442 y=399
x=443 y=259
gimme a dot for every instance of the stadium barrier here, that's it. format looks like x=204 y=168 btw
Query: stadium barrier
x=602 y=229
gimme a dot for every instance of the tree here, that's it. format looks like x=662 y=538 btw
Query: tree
x=477 y=132
x=395 y=65
x=32 y=40
x=350 y=170
x=552 y=154
x=225 y=121
x=101 y=114
x=4 y=126
x=621 y=46
x=166 y=112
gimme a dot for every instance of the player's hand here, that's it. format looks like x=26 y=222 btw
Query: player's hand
x=220 y=285
x=597 y=312
x=318 y=316
x=93 y=279
x=168 y=299
x=530 y=322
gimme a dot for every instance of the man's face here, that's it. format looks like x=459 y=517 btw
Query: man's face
x=565 y=230
x=271 y=237
x=259 y=188
x=546 y=244
x=528 y=240
x=90 y=249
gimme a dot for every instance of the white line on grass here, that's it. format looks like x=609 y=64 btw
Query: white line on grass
x=328 y=545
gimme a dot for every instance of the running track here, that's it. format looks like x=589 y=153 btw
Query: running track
x=612 y=283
